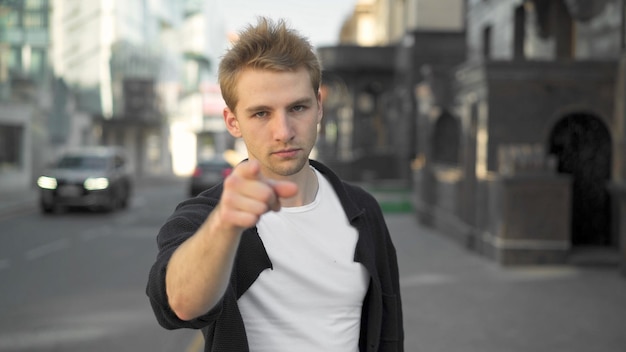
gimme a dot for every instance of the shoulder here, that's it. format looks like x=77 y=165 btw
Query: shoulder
x=189 y=215
x=359 y=195
x=203 y=202
x=353 y=197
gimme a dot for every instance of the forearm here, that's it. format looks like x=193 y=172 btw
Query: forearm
x=199 y=270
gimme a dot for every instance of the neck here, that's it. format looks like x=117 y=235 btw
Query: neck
x=307 y=189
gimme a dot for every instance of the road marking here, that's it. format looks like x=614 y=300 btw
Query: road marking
x=534 y=273
x=45 y=339
x=425 y=279
x=92 y=234
x=48 y=248
x=520 y=274
x=197 y=344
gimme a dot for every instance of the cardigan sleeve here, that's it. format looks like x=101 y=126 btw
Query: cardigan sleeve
x=181 y=225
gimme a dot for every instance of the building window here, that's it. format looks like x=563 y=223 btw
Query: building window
x=519 y=33
x=487 y=43
x=12 y=20
x=34 y=4
x=10 y=147
x=37 y=62
x=14 y=61
x=34 y=19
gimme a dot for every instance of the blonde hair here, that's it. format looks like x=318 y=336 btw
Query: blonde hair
x=267 y=46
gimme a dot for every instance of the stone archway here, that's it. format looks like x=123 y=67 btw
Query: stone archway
x=582 y=144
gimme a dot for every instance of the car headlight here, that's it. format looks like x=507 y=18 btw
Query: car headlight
x=47 y=182
x=96 y=183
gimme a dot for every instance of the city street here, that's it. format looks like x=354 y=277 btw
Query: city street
x=503 y=121
x=75 y=281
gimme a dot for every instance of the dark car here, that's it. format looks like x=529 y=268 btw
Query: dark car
x=207 y=174
x=93 y=177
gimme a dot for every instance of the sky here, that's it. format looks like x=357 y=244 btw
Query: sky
x=319 y=20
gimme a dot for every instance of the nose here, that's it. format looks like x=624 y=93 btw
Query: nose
x=282 y=127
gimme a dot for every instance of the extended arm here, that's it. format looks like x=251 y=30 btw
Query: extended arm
x=199 y=270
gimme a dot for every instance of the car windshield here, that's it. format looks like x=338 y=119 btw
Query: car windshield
x=83 y=163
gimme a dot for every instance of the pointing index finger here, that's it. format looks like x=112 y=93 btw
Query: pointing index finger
x=249 y=169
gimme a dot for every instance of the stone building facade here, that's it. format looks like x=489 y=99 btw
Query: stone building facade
x=387 y=47
x=357 y=136
x=524 y=162
x=510 y=130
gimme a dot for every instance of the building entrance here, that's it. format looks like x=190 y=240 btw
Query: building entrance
x=582 y=145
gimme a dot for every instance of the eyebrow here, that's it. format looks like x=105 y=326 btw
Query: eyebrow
x=265 y=107
x=302 y=101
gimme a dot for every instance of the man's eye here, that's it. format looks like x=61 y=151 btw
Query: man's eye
x=299 y=108
x=260 y=114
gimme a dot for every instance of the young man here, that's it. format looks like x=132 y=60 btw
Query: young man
x=283 y=256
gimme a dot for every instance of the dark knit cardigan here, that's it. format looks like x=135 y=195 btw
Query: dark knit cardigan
x=223 y=327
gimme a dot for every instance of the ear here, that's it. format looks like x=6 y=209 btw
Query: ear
x=232 y=124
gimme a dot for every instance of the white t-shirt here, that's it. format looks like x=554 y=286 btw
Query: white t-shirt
x=311 y=300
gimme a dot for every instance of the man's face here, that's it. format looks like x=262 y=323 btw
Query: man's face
x=277 y=116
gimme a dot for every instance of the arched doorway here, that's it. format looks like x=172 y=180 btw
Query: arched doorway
x=446 y=140
x=582 y=144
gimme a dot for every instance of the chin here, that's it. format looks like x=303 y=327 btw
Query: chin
x=289 y=167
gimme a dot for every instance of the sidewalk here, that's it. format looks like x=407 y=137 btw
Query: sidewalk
x=455 y=300
x=14 y=202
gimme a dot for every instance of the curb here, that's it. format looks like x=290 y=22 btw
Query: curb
x=14 y=208
x=392 y=200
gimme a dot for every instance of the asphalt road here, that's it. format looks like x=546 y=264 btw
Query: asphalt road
x=75 y=281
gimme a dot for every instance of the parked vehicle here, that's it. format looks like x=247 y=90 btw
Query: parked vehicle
x=93 y=177
x=207 y=174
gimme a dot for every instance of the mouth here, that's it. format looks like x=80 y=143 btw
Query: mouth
x=287 y=153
